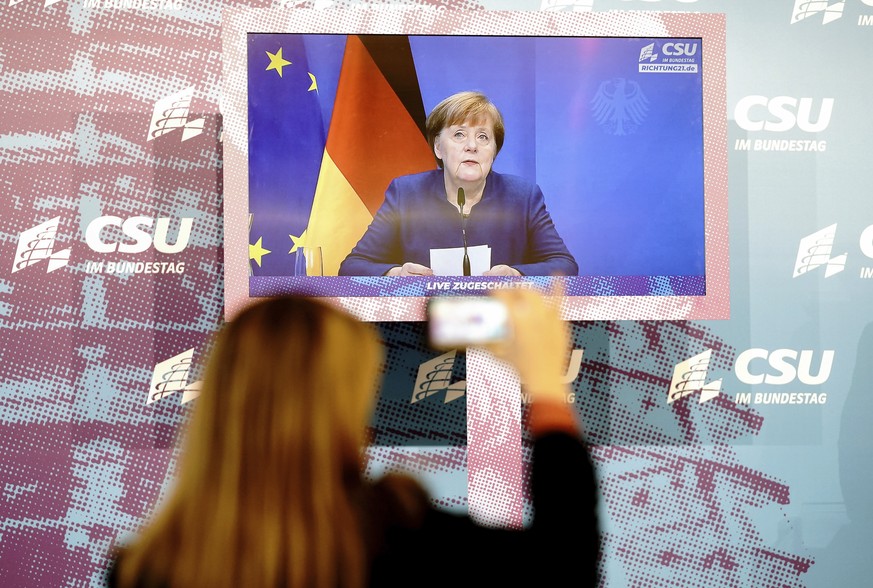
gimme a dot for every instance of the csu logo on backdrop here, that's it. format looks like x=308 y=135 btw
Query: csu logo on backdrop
x=690 y=376
x=435 y=376
x=567 y=5
x=816 y=250
x=37 y=244
x=171 y=376
x=830 y=10
x=755 y=367
x=46 y=4
x=781 y=367
x=171 y=113
x=782 y=114
x=129 y=235
x=132 y=228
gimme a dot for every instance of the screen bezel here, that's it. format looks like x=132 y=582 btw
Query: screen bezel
x=710 y=28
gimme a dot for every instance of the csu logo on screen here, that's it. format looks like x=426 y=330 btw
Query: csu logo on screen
x=670 y=49
x=783 y=113
x=674 y=49
x=784 y=366
x=816 y=250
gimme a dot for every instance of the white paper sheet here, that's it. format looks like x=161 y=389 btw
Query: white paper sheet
x=450 y=262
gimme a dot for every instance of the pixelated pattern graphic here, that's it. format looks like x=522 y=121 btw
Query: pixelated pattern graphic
x=110 y=111
x=415 y=286
x=84 y=456
x=406 y=414
x=683 y=508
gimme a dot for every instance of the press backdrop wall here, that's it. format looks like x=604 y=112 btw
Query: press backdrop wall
x=109 y=112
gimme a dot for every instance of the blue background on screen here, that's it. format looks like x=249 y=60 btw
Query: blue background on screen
x=627 y=201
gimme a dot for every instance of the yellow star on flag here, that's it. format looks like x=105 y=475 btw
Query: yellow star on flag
x=257 y=251
x=277 y=62
x=314 y=84
x=298 y=241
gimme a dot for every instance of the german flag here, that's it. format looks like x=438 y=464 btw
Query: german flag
x=376 y=134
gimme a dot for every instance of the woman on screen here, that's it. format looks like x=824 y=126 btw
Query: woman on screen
x=270 y=489
x=499 y=221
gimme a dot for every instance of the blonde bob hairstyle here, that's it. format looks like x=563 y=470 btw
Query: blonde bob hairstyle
x=270 y=473
x=459 y=108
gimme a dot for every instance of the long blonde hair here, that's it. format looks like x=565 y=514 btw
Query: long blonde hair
x=266 y=488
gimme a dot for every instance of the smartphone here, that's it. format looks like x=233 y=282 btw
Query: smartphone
x=460 y=321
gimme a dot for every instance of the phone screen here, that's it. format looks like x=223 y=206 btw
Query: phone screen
x=459 y=322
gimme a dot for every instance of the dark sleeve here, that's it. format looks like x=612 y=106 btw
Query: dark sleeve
x=565 y=527
x=561 y=548
x=112 y=575
x=546 y=253
x=380 y=248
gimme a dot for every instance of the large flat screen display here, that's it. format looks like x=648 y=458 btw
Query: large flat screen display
x=608 y=174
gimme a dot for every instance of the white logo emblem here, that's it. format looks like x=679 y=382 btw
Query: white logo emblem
x=435 y=376
x=690 y=375
x=815 y=251
x=647 y=53
x=131 y=228
x=37 y=244
x=47 y=2
x=620 y=106
x=171 y=376
x=171 y=113
x=782 y=364
x=571 y=5
x=787 y=110
x=830 y=11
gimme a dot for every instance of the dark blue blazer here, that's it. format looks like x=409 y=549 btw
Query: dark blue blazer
x=511 y=218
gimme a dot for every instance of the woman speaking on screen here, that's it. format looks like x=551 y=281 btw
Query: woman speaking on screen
x=270 y=491
x=462 y=210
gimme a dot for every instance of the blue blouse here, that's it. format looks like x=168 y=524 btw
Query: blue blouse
x=415 y=217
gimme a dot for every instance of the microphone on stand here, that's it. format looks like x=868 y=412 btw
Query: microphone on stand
x=462 y=199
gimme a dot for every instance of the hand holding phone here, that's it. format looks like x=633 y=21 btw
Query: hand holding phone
x=461 y=321
x=538 y=348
